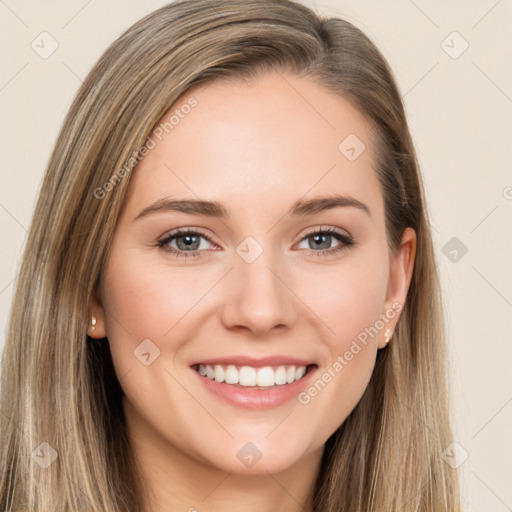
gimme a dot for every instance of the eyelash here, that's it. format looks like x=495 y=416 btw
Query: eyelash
x=347 y=241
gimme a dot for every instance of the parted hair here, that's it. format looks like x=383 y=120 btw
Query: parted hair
x=60 y=388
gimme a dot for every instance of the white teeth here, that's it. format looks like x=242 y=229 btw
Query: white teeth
x=231 y=374
x=248 y=376
x=265 y=376
x=280 y=375
x=219 y=373
x=300 y=372
x=209 y=372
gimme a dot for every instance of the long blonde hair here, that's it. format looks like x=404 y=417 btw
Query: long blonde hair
x=60 y=388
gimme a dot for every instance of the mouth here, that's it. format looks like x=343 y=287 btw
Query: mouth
x=250 y=377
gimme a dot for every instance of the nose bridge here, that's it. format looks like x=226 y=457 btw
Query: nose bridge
x=258 y=297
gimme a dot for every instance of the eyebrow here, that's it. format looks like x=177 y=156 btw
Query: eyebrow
x=216 y=209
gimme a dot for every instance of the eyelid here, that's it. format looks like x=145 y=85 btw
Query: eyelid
x=305 y=232
x=187 y=230
x=322 y=229
x=347 y=240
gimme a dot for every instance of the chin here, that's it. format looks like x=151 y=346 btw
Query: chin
x=255 y=457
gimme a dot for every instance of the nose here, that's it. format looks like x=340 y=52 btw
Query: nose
x=257 y=297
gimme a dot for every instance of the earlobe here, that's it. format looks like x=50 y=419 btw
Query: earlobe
x=95 y=329
x=96 y=324
x=388 y=334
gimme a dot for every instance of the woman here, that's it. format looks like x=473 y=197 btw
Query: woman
x=229 y=296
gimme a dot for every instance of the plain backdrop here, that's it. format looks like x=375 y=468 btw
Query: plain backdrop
x=453 y=64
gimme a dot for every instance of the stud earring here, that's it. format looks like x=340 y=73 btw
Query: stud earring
x=388 y=335
x=93 y=323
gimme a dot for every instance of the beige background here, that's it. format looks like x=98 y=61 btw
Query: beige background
x=460 y=112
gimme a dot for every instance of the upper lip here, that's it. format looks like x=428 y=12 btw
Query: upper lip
x=260 y=362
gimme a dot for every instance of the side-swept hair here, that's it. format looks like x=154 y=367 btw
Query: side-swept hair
x=58 y=387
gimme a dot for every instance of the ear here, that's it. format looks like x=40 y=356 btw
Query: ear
x=96 y=310
x=400 y=276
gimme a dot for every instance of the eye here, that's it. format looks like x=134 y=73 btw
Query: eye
x=321 y=238
x=188 y=242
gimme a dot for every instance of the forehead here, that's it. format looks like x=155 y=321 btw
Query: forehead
x=276 y=139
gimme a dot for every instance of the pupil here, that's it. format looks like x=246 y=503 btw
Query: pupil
x=188 y=240
x=318 y=239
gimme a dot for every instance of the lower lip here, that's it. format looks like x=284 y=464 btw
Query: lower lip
x=257 y=399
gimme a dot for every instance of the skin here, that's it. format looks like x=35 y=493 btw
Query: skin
x=256 y=148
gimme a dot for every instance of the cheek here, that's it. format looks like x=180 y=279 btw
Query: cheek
x=348 y=300
x=147 y=301
x=131 y=304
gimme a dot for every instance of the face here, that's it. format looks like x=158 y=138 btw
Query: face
x=261 y=286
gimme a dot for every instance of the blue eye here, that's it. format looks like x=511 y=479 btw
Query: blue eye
x=188 y=242
x=185 y=239
x=320 y=236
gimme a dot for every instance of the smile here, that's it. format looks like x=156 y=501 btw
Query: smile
x=250 y=377
x=259 y=387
